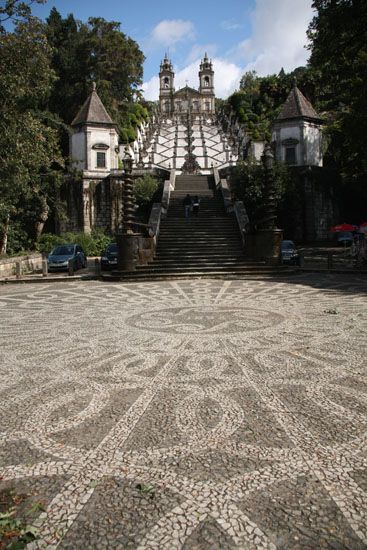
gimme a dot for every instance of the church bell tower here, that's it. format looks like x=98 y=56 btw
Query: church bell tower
x=166 y=85
x=206 y=77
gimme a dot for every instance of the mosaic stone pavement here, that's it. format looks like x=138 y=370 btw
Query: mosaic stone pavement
x=190 y=414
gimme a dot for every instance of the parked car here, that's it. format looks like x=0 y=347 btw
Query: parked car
x=345 y=238
x=58 y=259
x=109 y=256
x=289 y=253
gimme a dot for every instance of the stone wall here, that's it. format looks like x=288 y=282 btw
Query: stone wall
x=71 y=195
x=314 y=209
x=30 y=263
x=90 y=204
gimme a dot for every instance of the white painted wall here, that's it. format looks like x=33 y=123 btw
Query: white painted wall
x=308 y=134
x=312 y=140
x=107 y=136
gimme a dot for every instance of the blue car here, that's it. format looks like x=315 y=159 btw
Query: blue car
x=109 y=257
x=58 y=259
x=345 y=238
x=289 y=253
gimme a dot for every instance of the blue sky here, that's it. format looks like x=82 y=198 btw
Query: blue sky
x=239 y=35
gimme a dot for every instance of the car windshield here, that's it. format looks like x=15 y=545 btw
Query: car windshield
x=63 y=250
x=112 y=248
x=287 y=245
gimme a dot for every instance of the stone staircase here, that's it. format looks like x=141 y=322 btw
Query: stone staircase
x=209 y=242
x=207 y=245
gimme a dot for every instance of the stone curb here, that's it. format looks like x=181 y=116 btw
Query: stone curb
x=63 y=279
x=107 y=278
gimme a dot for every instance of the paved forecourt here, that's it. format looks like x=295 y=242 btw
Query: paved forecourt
x=186 y=414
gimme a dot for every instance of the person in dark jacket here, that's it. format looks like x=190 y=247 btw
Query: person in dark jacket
x=187 y=202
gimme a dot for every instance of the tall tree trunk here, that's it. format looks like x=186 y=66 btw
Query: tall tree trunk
x=42 y=218
x=4 y=235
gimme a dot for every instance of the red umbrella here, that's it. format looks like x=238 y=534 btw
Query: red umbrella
x=343 y=227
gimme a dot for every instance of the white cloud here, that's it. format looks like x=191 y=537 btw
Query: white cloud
x=277 y=40
x=226 y=79
x=198 y=50
x=151 y=89
x=171 y=31
x=278 y=36
x=230 y=25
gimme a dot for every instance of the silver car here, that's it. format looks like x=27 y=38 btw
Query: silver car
x=58 y=259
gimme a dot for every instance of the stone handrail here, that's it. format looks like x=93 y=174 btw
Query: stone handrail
x=237 y=207
x=147 y=245
x=222 y=185
x=155 y=220
x=159 y=209
x=169 y=186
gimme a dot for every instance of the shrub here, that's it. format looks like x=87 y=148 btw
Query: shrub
x=144 y=189
x=92 y=244
x=48 y=241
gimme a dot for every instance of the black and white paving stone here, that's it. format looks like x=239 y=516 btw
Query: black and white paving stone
x=188 y=414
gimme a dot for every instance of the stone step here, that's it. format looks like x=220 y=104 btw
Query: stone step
x=192 y=239
x=197 y=224
x=204 y=262
x=162 y=254
x=203 y=268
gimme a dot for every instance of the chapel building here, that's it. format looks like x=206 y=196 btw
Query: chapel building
x=187 y=99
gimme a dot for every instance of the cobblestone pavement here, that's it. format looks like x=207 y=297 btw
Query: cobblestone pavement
x=191 y=414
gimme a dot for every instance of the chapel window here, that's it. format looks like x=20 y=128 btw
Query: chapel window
x=290 y=155
x=101 y=160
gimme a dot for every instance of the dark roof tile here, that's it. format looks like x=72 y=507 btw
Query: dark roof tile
x=93 y=110
x=297 y=106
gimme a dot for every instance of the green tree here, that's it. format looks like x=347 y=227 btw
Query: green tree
x=338 y=44
x=28 y=142
x=259 y=99
x=95 y=51
x=15 y=11
x=248 y=185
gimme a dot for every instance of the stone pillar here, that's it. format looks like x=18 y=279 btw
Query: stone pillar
x=127 y=251
x=86 y=208
x=88 y=151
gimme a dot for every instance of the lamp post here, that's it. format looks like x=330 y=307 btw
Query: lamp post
x=127 y=240
x=269 y=218
x=129 y=206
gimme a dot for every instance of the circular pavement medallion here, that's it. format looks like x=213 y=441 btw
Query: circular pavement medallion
x=205 y=320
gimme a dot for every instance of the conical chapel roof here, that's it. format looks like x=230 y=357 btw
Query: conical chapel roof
x=297 y=106
x=92 y=111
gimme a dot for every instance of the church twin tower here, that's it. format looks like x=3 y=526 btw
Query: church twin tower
x=201 y=101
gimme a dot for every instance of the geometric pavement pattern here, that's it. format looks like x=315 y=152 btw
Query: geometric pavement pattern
x=240 y=405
